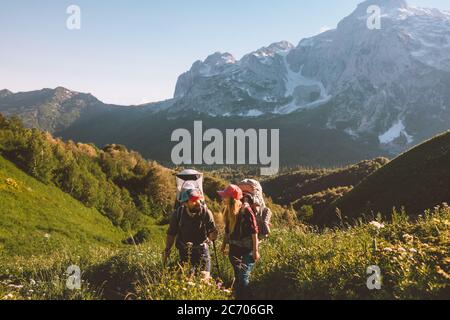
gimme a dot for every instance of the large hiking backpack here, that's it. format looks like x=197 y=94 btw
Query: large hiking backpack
x=188 y=179
x=264 y=215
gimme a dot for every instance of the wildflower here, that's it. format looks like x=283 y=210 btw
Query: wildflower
x=47 y=236
x=408 y=237
x=13 y=183
x=15 y=286
x=190 y=283
x=401 y=249
x=388 y=249
x=412 y=250
x=377 y=225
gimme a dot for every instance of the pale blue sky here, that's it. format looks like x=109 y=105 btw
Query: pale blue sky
x=132 y=51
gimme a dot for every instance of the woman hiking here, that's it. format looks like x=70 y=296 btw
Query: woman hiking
x=241 y=234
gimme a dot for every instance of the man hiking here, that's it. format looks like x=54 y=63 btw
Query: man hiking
x=192 y=228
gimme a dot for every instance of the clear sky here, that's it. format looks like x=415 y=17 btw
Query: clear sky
x=132 y=51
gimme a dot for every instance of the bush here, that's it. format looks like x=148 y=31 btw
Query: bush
x=140 y=237
x=305 y=213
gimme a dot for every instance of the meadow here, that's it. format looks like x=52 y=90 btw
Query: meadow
x=297 y=262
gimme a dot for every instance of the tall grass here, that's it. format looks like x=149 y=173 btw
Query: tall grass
x=297 y=263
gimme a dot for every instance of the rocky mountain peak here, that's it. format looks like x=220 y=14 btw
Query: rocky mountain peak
x=5 y=93
x=386 y=4
x=278 y=47
x=219 y=59
x=62 y=94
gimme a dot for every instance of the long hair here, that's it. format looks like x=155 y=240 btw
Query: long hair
x=230 y=212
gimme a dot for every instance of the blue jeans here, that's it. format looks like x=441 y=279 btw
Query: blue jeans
x=243 y=264
x=200 y=258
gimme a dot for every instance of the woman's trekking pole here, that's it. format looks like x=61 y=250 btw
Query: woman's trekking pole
x=217 y=260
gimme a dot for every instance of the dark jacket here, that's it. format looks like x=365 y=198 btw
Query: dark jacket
x=194 y=229
x=246 y=226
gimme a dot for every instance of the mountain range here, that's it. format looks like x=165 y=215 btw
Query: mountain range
x=347 y=94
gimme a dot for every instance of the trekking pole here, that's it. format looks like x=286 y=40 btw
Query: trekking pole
x=217 y=260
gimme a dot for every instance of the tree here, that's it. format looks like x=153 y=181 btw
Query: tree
x=305 y=213
x=38 y=157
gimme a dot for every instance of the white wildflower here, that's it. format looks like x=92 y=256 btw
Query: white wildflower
x=15 y=286
x=377 y=225
x=8 y=296
x=408 y=237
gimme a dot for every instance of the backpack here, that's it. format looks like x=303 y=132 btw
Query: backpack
x=264 y=215
x=188 y=179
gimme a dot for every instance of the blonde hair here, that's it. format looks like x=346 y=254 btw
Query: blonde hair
x=230 y=212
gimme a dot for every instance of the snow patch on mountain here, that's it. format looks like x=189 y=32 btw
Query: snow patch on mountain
x=306 y=93
x=254 y=113
x=396 y=131
x=266 y=55
x=351 y=133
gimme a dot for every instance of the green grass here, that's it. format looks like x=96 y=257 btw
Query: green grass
x=416 y=180
x=37 y=218
x=413 y=258
x=297 y=263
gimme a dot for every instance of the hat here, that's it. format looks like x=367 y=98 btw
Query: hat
x=190 y=194
x=232 y=191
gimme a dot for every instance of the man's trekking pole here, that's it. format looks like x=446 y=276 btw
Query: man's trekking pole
x=217 y=260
